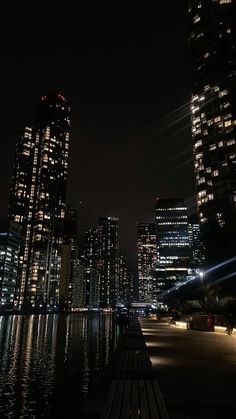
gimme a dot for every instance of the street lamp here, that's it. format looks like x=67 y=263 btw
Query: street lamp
x=201 y=274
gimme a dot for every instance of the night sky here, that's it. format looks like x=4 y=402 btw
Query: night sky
x=128 y=79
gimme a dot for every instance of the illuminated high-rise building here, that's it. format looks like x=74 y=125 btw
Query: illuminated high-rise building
x=72 y=283
x=195 y=242
x=124 y=286
x=173 y=248
x=213 y=108
x=22 y=201
x=90 y=261
x=9 y=259
x=147 y=255
x=38 y=201
x=108 y=238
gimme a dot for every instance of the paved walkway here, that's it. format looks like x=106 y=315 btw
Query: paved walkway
x=196 y=370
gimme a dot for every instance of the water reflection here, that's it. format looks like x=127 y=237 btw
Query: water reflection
x=48 y=363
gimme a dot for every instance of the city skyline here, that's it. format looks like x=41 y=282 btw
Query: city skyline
x=124 y=117
x=118 y=210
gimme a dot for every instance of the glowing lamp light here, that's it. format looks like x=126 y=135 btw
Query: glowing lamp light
x=181 y=325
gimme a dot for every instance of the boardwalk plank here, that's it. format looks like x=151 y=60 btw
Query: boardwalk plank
x=125 y=411
x=135 y=411
x=144 y=411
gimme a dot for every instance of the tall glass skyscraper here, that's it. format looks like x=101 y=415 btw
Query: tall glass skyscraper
x=23 y=200
x=147 y=255
x=213 y=108
x=9 y=259
x=108 y=265
x=38 y=201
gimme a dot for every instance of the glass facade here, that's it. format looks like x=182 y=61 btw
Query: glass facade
x=9 y=258
x=90 y=261
x=124 y=288
x=213 y=109
x=108 y=238
x=147 y=254
x=38 y=201
x=173 y=247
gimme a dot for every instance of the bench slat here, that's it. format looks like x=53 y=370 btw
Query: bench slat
x=160 y=400
x=144 y=414
x=115 y=413
x=153 y=410
x=134 y=401
x=109 y=400
x=125 y=410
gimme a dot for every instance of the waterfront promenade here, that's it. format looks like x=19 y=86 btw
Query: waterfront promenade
x=196 y=370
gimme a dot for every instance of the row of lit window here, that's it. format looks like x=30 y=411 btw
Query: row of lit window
x=172 y=209
x=173 y=223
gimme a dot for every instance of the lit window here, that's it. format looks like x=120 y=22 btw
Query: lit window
x=223 y=93
x=230 y=142
x=212 y=147
x=196 y=18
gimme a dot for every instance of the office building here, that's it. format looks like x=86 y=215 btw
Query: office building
x=123 y=283
x=213 y=108
x=108 y=239
x=147 y=256
x=38 y=201
x=195 y=242
x=22 y=201
x=173 y=248
x=72 y=281
x=90 y=261
x=9 y=259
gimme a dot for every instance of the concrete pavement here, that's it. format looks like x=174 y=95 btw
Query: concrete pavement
x=196 y=370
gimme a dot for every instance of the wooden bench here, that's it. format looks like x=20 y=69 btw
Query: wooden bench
x=134 y=365
x=134 y=399
x=135 y=360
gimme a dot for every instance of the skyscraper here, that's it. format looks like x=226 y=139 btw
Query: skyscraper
x=90 y=260
x=147 y=254
x=213 y=108
x=195 y=242
x=72 y=284
x=173 y=248
x=22 y=201
x=108 y=238
x=38 y=201
x=124 y=291
x=9 y=259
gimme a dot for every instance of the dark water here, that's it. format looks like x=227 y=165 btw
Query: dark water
x=50 y=363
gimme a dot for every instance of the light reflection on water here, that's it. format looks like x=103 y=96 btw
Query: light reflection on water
x=48 y=363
